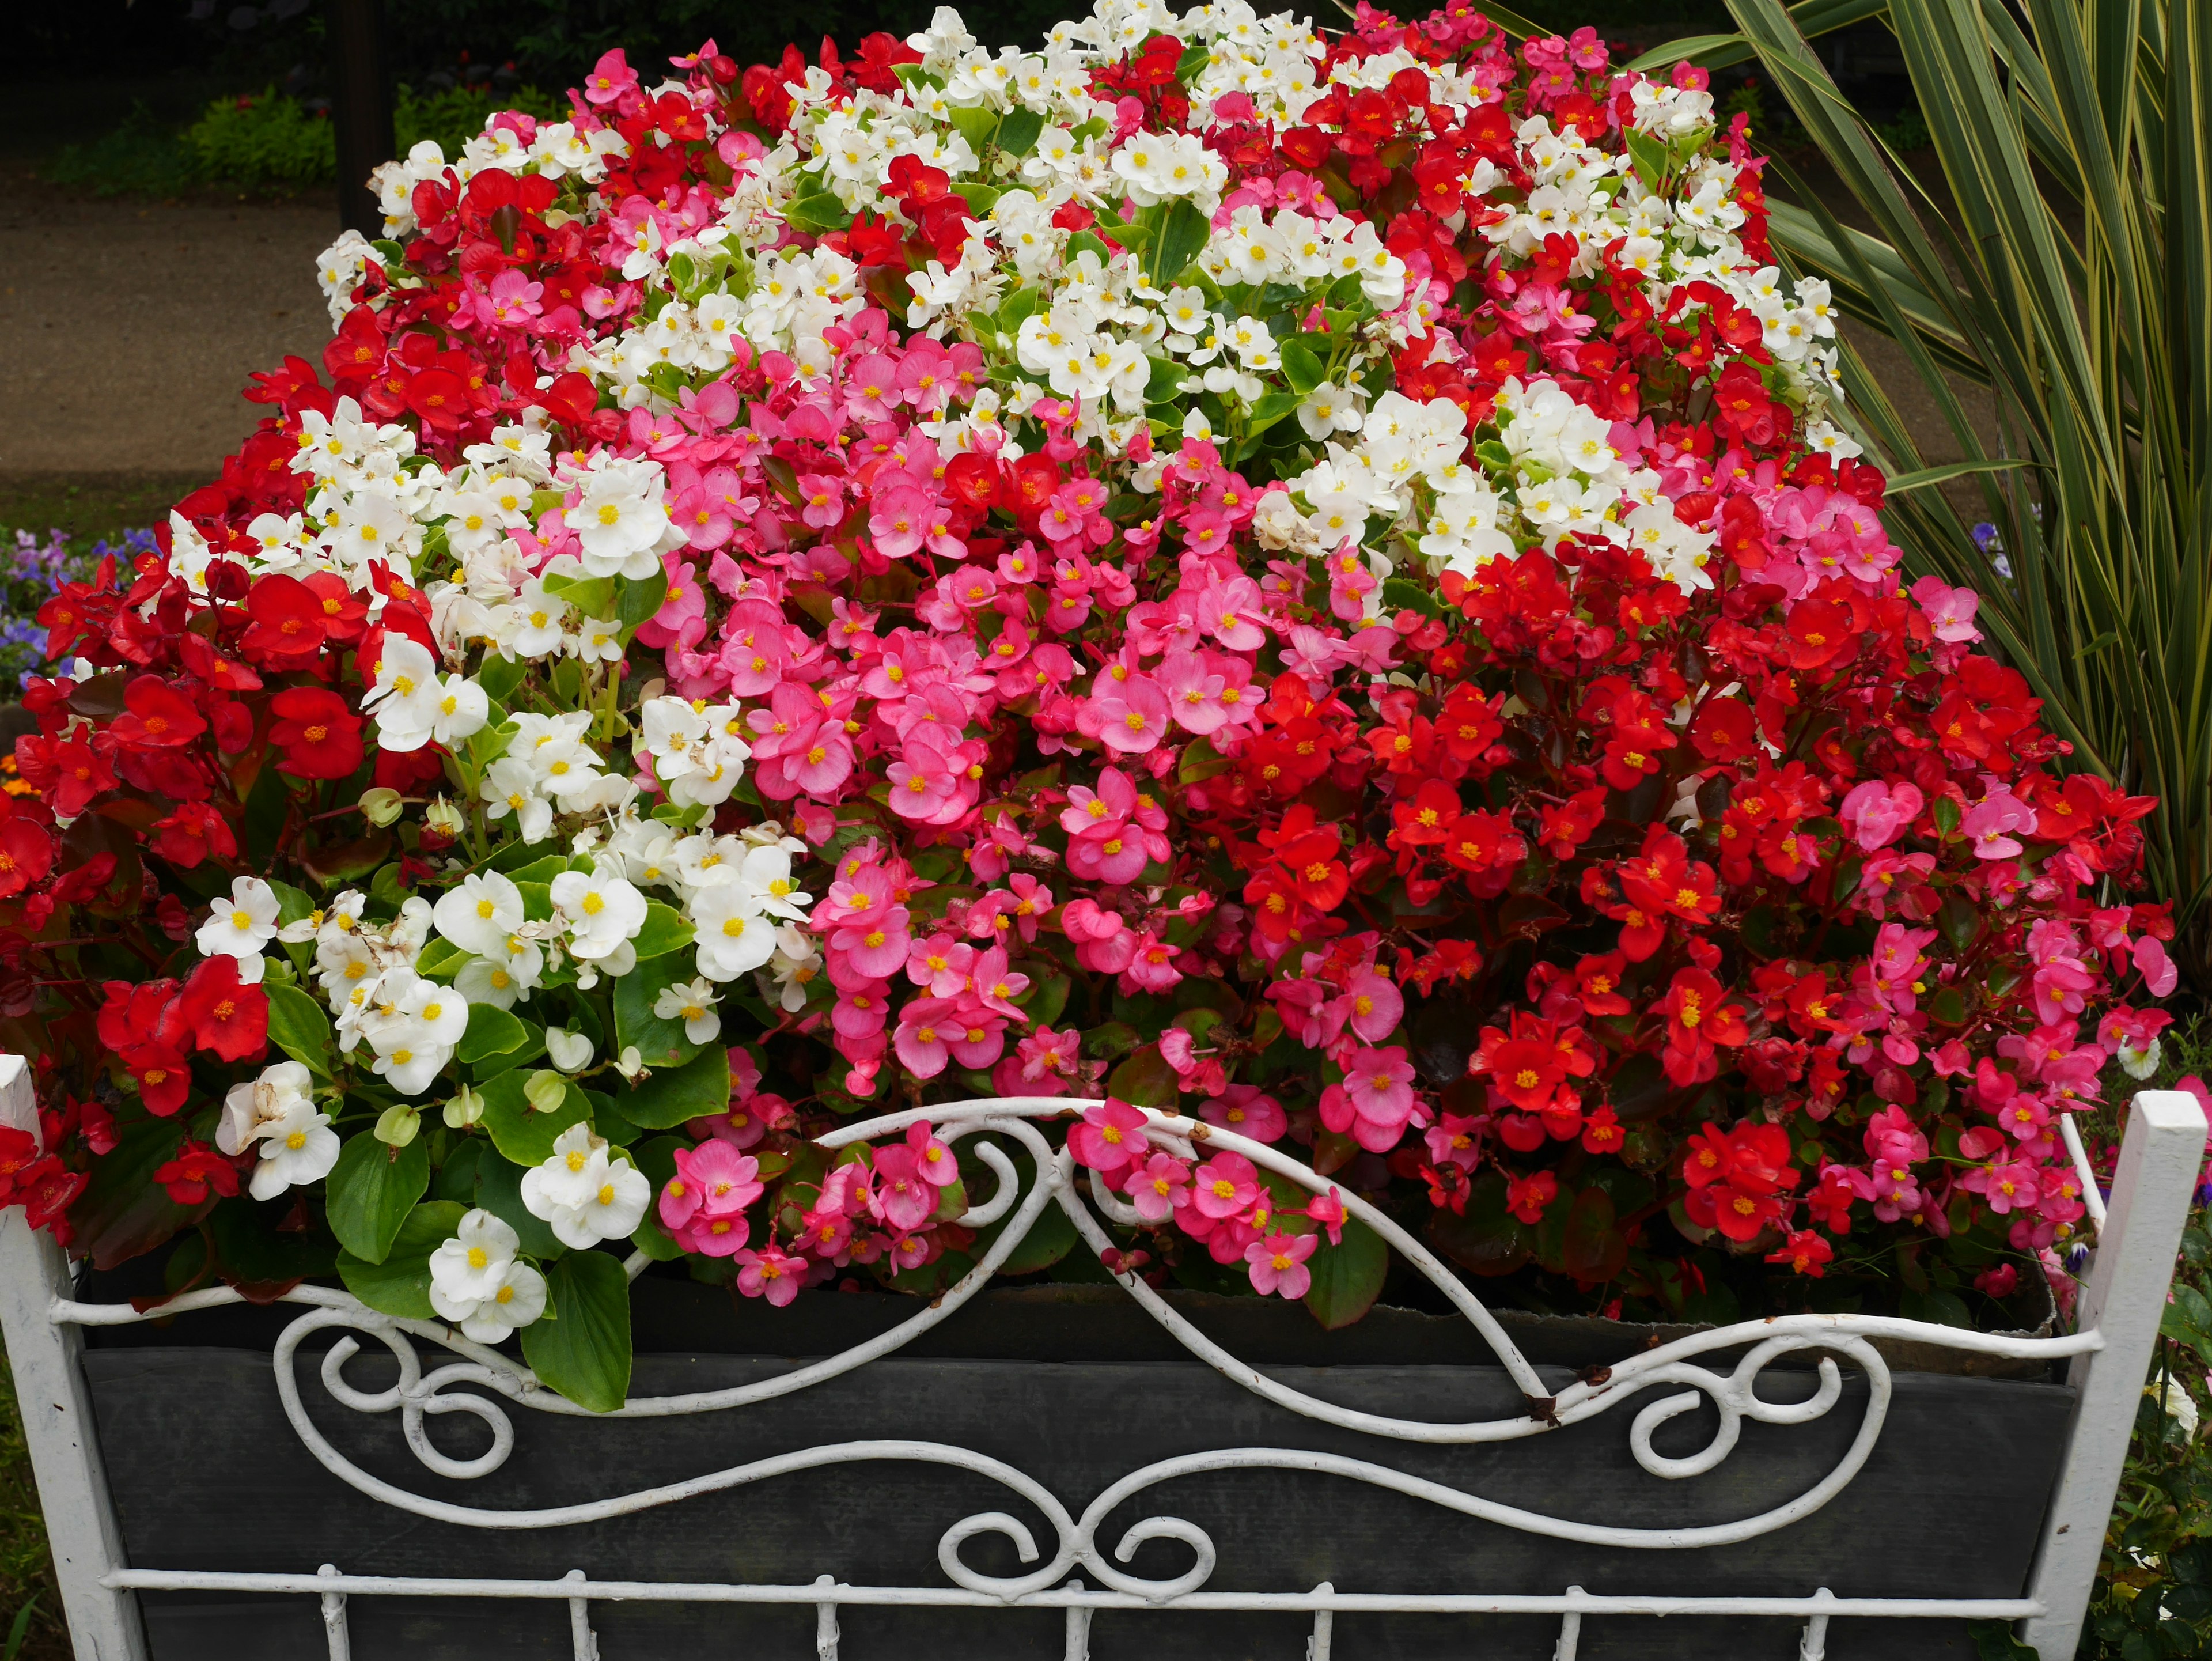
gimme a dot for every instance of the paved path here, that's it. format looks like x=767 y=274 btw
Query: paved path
x=127 y=328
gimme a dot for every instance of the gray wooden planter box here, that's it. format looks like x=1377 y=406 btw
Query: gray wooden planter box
x=206 y=1504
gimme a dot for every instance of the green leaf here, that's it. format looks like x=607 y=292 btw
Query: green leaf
x=492 y=1031
x=1145 y=1079
x=518 y=1131
x=399 y=1282
x=1302 y=365
x=639 y=601
x=583 y=1350
x=698 y=1090
x=1925 y=477
x=372 y=1189
x=299 y=1029
x=1018 y=132
x=440 y=960
x=817 y=213
x=1407 y=595
x=658 y=1042
x=1347 y=1278
x=123 y=1211
x=500 y=676
x=253 y=1248
x=499 y=1190
x=1271 y=409
x=976 y=125
x=540 y=872
x=665 y=930
x=1180 y=239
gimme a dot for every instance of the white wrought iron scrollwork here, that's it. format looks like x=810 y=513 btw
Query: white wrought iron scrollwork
x=484 y=1384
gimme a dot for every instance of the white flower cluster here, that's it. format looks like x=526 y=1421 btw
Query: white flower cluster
x=276 y=1117
x=740 y=896
x=698 y=750
x=547 y=765
x=586 y=1191
x=478 y=1283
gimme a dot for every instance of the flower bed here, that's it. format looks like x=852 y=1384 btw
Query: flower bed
x=1314 y=577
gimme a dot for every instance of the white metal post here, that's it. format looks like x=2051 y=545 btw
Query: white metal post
x=57 y=1424
x=2161 y=1154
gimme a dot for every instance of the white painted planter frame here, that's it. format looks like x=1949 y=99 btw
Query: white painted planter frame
x=2120 y=1312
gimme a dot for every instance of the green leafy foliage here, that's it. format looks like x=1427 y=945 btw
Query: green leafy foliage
x=581 y=1348
x=399 y=1284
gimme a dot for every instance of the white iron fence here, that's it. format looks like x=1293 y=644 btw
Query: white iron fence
x=1074 y=1572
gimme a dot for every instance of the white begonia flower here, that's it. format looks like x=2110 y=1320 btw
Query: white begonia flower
x=765 y=877
x=797 y=961
x=693 y=1003
x=440 y=1013
x=468 y=1267
x=537 y=620
x=252 y=1110
x=481 y=915
x=476 y=1281
x=460 y=709
x=585 y=1193
x=621 y=520
x=510 y=786
x=733 y=937
x=2138 y=1063
x=570 y=1051
x=599 y=640
x=405 y=694
x=299 y=1147
x=603 y=911
x=511 y=970
x=408 y=1064
x=240 y=926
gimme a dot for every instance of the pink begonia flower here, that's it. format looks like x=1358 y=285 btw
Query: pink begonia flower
x=2009 y=1186
x=932 y=1157
x=683 y=613
x=1375 y=1100
x=1876 y=814
x=1278 y=1264
x=1157 y=1186
x=610 y=77
x=929 y=1029
x=1327 y=1210
x=1151 y=966
x=2156 y=968
x=923 y=779
x=1372 y=1006
x=876 y=949
x=821 y=497
x=513 y=301
x=1231 y=612
x=1044 y=1063
x=995 y=985
x=1452 y=1140
x=1133 y=715
x=1193 y=688
x=1990 y=821
x=901 y=1197
x=769 y=1273
x=1950 y=610
x=1225 y=1185
x=872 y=388
x=898 y=520
x=1248 y=1110
x=1108 y=1136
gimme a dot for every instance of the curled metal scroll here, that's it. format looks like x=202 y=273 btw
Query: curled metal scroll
x=483 y=1382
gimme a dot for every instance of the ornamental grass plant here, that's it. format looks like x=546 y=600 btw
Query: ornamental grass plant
x=1315 y=579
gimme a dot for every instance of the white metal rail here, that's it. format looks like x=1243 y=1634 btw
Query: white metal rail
x=2108 y=1354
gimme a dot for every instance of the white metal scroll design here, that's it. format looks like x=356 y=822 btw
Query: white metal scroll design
x=2110 y=1355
